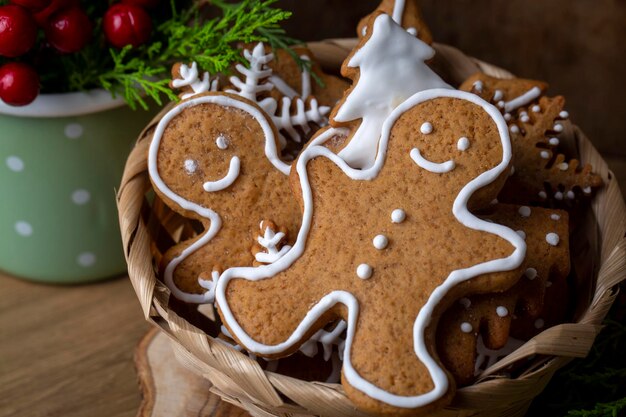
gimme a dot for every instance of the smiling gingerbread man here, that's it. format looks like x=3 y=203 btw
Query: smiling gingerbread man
x=388 y=239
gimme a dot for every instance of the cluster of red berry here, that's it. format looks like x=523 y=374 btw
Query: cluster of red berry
x=68 y=29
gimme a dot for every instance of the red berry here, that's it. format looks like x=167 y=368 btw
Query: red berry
x=52 y=7
x=18 y=31
x=125 y=24
x=69 y=30
x=144 y=4
x=19 y=84
x=32 y=5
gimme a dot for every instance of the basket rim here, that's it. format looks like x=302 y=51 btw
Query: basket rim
x=192 y=344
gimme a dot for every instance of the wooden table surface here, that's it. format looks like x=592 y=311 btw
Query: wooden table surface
x=67 y=351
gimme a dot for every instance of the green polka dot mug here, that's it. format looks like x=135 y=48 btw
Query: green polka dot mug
x=60 y=159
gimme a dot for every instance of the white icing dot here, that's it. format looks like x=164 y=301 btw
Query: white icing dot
x=531 y=273
x=542 y=194
x=545 y=154
x=412 y=31
x=539 y=323
x=463 y=144
x=81 y=197
x=524 y=211
x=23 y=228
x=554 y=141
x=466 y=327
x=564 y=114
x=502 y=311
x=380 y=242
x=587 y=190
x=465 y=302
x=426 y=128
x=73 y=131
x=525 y=119
x=498 y=95
x=512 y=171
x=558 y=127
x=548 y=284
x=563 y=166
x=507 y=117
x=558 y=195
x=364 y=31
x=221 y=142
x=364 y=271
x=552 y=239
x=478 y=86
x=570 y=194
x=86 y=259
x=398 y=216
x=514 y=128
x=521 y=233
x=500 y=104
x=15 y=163
x=190 y=166
x=536 y=109
x=555 y=217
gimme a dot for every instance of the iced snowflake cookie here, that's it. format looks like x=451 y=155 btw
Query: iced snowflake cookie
x=478 y=330
x=542 y=175
x=406 y=13
x=387 y=239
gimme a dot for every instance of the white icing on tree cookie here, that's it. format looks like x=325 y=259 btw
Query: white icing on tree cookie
x=270 y=241
x=189 y=78
x=391 y=69
x=258 y=80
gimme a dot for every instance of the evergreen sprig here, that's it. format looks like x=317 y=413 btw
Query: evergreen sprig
x=207 y=32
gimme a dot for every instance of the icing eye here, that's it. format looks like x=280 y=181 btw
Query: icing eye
x=463 y=144
x=191 y=166
x=221 y=142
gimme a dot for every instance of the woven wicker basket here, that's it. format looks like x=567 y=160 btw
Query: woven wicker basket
x=148 y=228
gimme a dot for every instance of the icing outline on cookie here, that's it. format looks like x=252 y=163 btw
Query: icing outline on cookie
x=271 y=153
x=460 y=211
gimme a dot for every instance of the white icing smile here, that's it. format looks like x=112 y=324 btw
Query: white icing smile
x=437 y=168
x=228 y=180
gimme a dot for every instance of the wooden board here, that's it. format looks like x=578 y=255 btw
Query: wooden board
x=169 y=389
x=67 y=350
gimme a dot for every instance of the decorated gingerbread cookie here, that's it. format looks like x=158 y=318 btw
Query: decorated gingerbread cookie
x=214 y=158
x=406 y=13
x=219 y=158
x=542 y=175
x=477 y=330
x=290 y=80
x=387 y=239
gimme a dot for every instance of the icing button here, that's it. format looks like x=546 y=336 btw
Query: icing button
x=364 y=271
x=398 y=216
x=380 y=242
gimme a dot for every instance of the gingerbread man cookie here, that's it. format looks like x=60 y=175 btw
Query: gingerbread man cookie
x=214 y=158
x=387 y=245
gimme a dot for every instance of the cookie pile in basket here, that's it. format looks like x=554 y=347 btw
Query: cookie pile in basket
x=413 y=231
